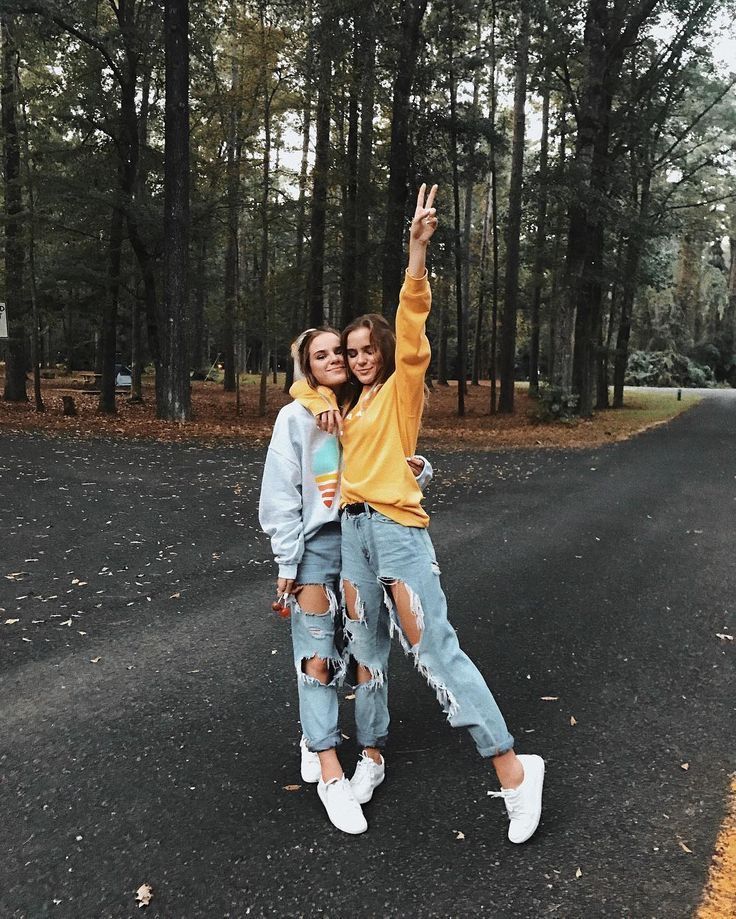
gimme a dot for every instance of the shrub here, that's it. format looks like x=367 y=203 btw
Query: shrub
x=554 y=405
x=666 y=368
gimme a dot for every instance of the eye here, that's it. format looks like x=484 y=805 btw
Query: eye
x=352 y=352
x=338 y=350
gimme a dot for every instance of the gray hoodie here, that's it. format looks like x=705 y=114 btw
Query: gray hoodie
x=300 y=491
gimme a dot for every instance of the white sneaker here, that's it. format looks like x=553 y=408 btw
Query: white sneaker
x=343 y=810
x=367 y=777
x=311 y=769
x=524 y=804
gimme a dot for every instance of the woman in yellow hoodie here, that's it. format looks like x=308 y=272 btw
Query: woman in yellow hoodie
x=390 y=576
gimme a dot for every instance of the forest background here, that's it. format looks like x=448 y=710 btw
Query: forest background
x=188 y=186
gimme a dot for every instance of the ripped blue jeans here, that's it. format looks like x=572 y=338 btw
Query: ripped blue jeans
x=380 y=556
x=313 y=636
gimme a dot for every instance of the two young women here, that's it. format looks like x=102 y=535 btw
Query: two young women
x=390 y=576
x=299 y=509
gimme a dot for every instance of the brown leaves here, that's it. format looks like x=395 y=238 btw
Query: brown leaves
x=292 y=787
x=215 y=417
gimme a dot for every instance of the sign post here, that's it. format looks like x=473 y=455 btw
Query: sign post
x=3 y=322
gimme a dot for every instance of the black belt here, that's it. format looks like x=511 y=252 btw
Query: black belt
x=354 y=510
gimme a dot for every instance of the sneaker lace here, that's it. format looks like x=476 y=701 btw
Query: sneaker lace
x=512 y=799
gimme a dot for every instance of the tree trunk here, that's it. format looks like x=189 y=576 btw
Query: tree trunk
x=15 y=365
x=199 y=305
x=458 y=251
x=398 y=158
x=264 y=285
x=482 y=283
x=442 y=291
x=603 y=400
x=469 y=187
x=136 y=353
x=174 y=403
x=320 y=175
x=230 y=294
x=364 y=197
x=106 y=403
x=492 y=364
x=349 y=213
x=558 y=232
x=628 y=293
x=540 y=243
x=299 y=288
x=35 y=319
x=513 y=225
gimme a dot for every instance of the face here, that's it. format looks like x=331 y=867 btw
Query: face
x=364 y=359
x=326 y=360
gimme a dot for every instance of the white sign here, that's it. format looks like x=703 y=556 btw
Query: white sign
x=3 y=322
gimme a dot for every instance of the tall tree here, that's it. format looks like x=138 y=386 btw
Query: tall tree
x=412 y=13
x=540 y=240
x=513 y=224
x=607 y=37
x=320 y=174
x=15 y=371
x=174 y=403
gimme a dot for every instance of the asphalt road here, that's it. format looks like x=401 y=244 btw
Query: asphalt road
x=148 y=707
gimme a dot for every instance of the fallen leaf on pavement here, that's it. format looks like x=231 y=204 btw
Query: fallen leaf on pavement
x=685 y=766
x=292 y=787
x=459 y=835
x=578 y=873
x=724 y=636
x=66 y=622
x=573 y=720
x=351 y=696
x=11 y=621
x=549 y=698
x=95 y=660
x=684 y=848
x=143 y=895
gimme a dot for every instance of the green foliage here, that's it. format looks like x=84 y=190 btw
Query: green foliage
x=554 y=405
x=666 y=368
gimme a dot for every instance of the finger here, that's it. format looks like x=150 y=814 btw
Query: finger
x=420 y=195
x=430 y=197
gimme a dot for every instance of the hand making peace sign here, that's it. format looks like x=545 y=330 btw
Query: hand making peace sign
x=425 y=220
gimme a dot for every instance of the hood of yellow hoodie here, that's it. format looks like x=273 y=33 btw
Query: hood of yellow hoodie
x=321 y=399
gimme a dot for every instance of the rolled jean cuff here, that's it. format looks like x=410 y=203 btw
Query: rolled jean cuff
x=326 y=743
x=377 y=743
x=498 y=749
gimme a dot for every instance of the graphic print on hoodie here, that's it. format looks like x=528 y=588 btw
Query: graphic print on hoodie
x=325 y=466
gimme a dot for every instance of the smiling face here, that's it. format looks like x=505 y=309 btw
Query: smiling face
x=364 y=359
x=326 y=362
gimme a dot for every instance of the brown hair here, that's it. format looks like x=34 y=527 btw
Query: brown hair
x=383 y=340
x=303 y=344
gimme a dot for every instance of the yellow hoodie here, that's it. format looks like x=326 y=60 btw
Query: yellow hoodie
x=381 y=431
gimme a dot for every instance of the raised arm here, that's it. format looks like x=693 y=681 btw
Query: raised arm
x=412 y=346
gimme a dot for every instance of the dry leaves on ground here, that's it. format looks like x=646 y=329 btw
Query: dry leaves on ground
x=216 y=416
